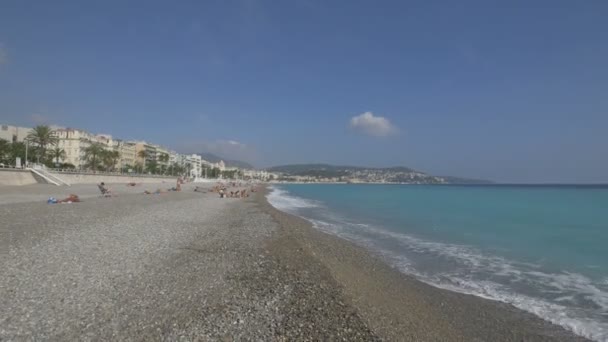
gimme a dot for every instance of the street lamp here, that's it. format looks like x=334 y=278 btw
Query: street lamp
x=26 y=146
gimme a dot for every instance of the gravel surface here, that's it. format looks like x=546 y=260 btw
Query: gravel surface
x=190 y=266
x=177 y=266
x=41 y=192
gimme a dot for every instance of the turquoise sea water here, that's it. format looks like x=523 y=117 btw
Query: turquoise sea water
x=543 y=249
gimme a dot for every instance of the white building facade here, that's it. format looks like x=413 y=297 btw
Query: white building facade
x=14 y=133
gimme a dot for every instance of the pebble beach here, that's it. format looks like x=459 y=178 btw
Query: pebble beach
x=190 y=266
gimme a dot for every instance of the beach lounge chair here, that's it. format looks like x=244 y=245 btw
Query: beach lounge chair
x=105 y=192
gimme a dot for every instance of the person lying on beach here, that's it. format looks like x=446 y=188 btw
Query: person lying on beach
x=157 y=192
x=70 y=199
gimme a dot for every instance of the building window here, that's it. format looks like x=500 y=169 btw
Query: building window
x=4 y=127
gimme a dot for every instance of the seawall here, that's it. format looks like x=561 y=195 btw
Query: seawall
x=16 y=177
x=76 y=178
x=26 y=177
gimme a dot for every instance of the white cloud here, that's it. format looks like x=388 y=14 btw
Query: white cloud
x=377 y=126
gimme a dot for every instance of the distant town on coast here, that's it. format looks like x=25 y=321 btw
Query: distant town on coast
x=78 y=150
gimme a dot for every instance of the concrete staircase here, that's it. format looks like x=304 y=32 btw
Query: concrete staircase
x=48 y=177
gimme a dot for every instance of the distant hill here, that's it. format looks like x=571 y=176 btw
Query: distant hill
x=210 y=157
x=396 y=174
x=344 y=173
x=296 y=169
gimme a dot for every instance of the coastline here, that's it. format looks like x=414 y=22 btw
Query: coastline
x=396 y=306
x=191 y=266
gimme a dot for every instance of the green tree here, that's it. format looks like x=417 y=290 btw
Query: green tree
x=67 y=166
x=152 y=166
x=110 y=158
x=5 y=151
x=42 y=136
x=57 y=153
x=229 y=174
x=93 y=156
x=139 y=167
x=143 y=155
x=17 y=150
x=215 y=172
x=163 y=158
x=188 y=169
x=176 y=169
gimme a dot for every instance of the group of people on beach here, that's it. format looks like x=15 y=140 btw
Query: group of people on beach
x=178 y=187
x=222 y=189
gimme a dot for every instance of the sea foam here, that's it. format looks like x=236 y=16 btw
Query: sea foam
x=562 y=298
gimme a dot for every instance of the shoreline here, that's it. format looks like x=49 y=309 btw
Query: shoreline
x=191 y=266
x=397 y=306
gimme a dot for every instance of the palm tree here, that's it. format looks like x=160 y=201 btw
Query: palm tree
x=189 y=169
x=163 y=158
x=176 y=169
x=57 y=153
x=143 y=154
x=42 y=136
x=115 y=156
x=110 y=158
x=93 y=155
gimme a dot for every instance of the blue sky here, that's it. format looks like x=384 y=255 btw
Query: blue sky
x=512 y=91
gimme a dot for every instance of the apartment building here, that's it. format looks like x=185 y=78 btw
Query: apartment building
x=127 y=151
x=73 y=142
x=14 y=133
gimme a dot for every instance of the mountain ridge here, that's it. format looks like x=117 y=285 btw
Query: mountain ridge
x=213 y=158
x=392 y=173
x=321 y=166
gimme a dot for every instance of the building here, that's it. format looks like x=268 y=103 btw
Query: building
x=162 y=156
x=262 y=175
x=73 y=142
x=128 y=155
x=148 y=149
x=173 y=158
x=13 y=133
x=132 y=153
x=219 y=165
x=193 y=164
x=105 y=140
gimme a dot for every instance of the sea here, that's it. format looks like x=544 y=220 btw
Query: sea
x=541 y=248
